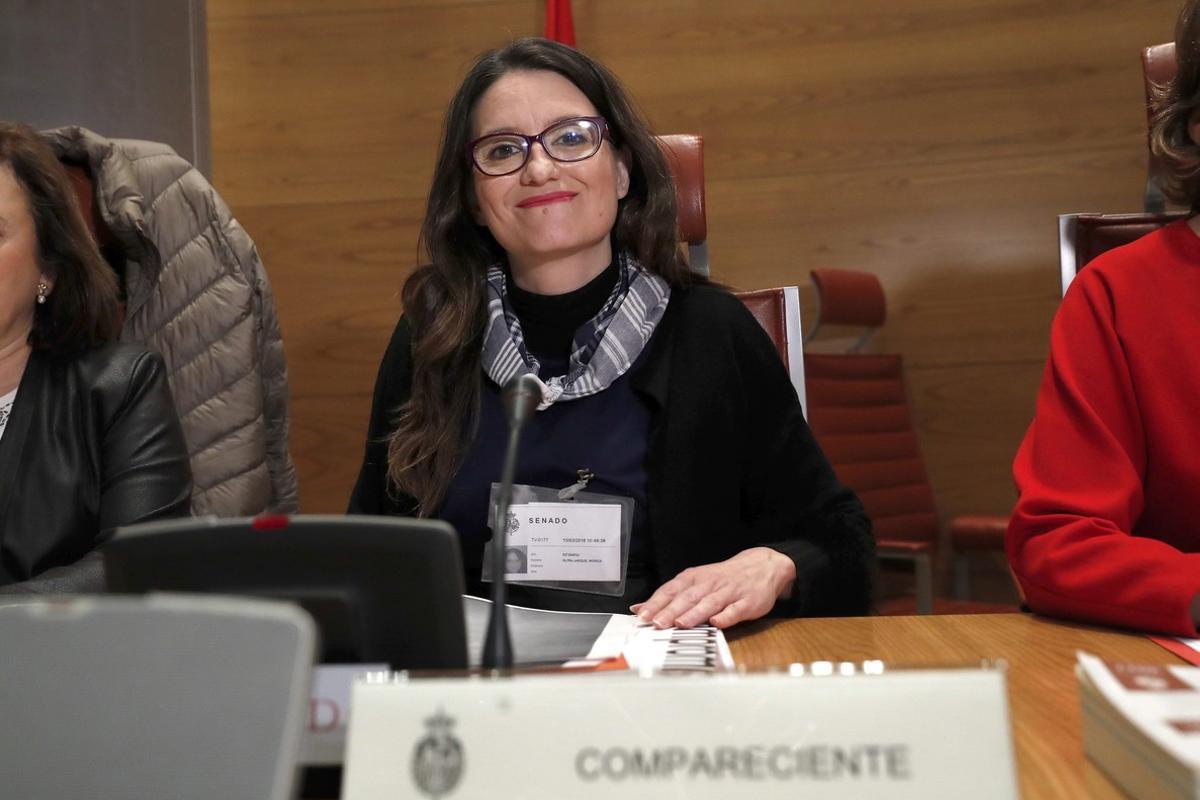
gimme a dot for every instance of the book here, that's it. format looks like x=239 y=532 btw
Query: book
x=1141 y=725
x=1187 y=649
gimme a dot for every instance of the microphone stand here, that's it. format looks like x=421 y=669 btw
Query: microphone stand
x=520 y=395
x=497 y=647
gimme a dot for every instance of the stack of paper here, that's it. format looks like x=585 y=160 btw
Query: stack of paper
x=599 y=641
x=670 y=651
x=1141 y=725
x=538 y=636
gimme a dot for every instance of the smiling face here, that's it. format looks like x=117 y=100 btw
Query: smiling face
x=19 y=272
x=553 y=219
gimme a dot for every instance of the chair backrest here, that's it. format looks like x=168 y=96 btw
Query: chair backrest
x=168 y=696
x=85 y=194
x=778 y=312
x=858 y=410
x=1082 y=237
x=848 y=297
x=382 y=589
x=685 y=158
x=1159 y=67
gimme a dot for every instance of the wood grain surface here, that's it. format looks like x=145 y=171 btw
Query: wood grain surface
x=1038 y=655
x=932 y=142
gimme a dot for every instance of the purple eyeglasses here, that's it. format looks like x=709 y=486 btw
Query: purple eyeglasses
x=568 y=140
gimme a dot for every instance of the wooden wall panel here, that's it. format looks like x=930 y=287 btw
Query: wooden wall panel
x=929 y=141
x=340 y=105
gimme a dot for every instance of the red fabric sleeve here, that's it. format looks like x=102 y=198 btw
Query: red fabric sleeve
x=1080 y=472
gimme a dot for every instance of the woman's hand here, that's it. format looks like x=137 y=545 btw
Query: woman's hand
x=740 y=588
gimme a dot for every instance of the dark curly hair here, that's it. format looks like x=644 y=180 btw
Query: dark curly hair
x=84 y=307
x=1176 y=105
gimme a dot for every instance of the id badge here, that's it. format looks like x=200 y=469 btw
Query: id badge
x=581 y=544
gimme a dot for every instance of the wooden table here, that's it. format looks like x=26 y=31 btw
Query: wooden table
x=1042 y=694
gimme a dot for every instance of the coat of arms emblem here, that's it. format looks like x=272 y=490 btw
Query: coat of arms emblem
x=437 y=763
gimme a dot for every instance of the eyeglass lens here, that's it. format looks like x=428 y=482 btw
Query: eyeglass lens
x=570 y=140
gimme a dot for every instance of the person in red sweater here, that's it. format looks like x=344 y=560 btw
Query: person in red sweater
x=1107 y=527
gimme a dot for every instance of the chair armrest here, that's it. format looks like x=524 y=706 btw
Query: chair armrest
x=978 y=532
x=921 y=556
x=901 y=549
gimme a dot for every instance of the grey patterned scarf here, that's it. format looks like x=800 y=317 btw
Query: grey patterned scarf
x=604 y=348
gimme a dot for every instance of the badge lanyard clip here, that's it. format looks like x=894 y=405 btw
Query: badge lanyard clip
x=584 y=476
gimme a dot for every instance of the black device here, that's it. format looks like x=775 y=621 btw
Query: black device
x=520 y=396
x=381 y=589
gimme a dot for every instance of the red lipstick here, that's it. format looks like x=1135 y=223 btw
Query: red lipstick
x=545 y=199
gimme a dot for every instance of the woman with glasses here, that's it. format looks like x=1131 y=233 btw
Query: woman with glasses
x=553 y=250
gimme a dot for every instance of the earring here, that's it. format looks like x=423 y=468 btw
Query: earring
x=43 y=292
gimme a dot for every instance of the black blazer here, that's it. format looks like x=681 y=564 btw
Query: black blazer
x=731 y=462
x=93 y=443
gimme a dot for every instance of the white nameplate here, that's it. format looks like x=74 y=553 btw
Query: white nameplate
x=324 y=741
x=908 y=734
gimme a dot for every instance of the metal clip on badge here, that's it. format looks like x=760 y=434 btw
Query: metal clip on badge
x=569 y=492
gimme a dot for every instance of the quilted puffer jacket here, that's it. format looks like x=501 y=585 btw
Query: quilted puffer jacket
x=196 y=292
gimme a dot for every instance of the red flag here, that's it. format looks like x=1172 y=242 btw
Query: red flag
x=559 y=25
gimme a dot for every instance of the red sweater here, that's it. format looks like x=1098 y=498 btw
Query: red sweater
x=1107 y=527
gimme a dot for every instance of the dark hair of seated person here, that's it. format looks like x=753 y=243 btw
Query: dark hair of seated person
x=84 y=308
x=445 y=299
x=92 y=441
x=1177 y=106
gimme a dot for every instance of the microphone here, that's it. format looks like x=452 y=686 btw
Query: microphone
x=520 y=397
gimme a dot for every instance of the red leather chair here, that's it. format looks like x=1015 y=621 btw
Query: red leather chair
x=777 y=310
x=85 y=193
x=685 y=159
x=899 y=535
x=1082 y=237
x=1159 y=68
x=859 y=411
x=81 y=180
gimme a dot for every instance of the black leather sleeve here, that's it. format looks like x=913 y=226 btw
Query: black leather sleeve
x=127 y=463
x=146 y=473
x=85 y=576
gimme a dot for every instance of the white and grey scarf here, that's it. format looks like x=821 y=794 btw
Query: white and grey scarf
x=604 y=348
x=6 y=407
